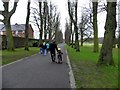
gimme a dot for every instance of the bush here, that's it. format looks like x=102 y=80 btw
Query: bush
x=35 y=44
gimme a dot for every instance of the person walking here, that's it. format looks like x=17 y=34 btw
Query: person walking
x=47 y=45
x=59 y=56
x=44 y=47
x=41 y=49
x=53 y=48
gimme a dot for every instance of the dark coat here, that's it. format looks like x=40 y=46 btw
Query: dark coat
x=53 y=47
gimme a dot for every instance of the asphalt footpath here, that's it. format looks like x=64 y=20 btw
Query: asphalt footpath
x=37 y=71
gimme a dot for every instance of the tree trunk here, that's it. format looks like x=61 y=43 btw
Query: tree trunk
x=70 y=31
x=71 y=27
x=81 y=37
x=50 y=23
x=41 y=22
x=7 y=15
x=95 y=27
x=45 y=30
x=75 y=24
x=106 y=56
x=76 y=29
x=10 y=41
x=72 y=39
x=27 y=27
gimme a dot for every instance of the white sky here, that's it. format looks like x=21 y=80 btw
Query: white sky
x=20 y=14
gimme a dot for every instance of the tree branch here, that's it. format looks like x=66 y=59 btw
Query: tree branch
x=1 y=20
x=35 y=10
x=69 y=12
x=14 y=8
x=1 y=12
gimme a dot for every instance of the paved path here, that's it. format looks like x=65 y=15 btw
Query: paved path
x=37 y=72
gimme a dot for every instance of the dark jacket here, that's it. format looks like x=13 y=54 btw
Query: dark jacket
x=43 y=45
x=52 y=47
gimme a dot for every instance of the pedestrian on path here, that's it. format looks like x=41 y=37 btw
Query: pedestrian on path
x=59 y=56
x=41 y=49
x=53 y=48
x=44 y=47
x=47 y=45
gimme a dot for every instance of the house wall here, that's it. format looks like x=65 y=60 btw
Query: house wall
x=21 y=33
x=18 y=42
x=4 y=32
x=30 y=30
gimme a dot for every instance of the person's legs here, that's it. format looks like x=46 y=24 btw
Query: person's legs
x=52 y=56
x=47 y=50
x=44 y=51
x=41 y=50
x=59 y=59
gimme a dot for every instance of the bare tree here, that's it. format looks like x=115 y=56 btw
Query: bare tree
x=38 y=19
x=106 y=56
x=85 y=28
x=41 y=22
x=75 y=24
x=59 y=37
x=45 y=20
x=7 y=16
x=119 y=28
x=57 y=25
x=71 y=32
x=67 y=33
x=50 y=21
x=27 y=27
x=95 y=27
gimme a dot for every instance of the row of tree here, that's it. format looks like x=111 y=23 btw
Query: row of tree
x=89 y=22
x=45 y=17
x=47 y=21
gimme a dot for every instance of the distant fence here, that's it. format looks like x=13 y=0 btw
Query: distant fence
x=18 y=42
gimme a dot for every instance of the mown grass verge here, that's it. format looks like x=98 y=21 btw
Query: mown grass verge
x=87 y=74
x=11 y=56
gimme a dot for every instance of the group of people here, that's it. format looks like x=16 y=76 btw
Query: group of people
x=46 y=47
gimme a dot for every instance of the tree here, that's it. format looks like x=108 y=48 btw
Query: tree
x=67 y=33
x=71 y=36
x=41 y=22
x=95 y=26
x=27 y=27
x=85 y=28
x=75 y=24
x=106 y=56
x=38 y=19
x=45 y=19
x=7 y=16
x=57 y=25
x=50 y=21
x=96 y=7
x=59 y=37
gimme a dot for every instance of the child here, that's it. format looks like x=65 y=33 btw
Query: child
x=47 y=45
x=59 y=56
x=44 y=47
x=41 y=49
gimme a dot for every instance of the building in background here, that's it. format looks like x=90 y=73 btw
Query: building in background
x=18 y=30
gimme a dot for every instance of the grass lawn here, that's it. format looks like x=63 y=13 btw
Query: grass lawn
x=10 y=56
x=87 y=74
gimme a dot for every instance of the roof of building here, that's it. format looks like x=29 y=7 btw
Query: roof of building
x=16 y=27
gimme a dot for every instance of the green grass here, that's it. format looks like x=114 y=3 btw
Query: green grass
x=87 y=74
x=11 y=56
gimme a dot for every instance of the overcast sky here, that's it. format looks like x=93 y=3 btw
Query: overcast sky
x=20 y=14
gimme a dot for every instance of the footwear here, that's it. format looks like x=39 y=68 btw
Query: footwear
x=58 y=62
x=53 y=61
